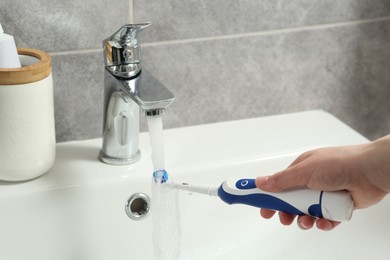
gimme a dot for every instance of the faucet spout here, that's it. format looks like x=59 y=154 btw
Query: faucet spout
x=148 y=92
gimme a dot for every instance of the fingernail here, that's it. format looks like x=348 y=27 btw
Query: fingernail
x=302 y=225
x=262 y=181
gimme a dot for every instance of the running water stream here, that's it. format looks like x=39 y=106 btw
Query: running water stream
x=166 y=216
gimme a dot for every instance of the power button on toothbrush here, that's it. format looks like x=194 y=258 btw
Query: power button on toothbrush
x=246 y=184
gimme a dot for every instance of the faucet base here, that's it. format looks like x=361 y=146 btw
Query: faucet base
x=119 y=161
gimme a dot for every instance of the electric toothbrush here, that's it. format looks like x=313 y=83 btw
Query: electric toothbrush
x=335 y=205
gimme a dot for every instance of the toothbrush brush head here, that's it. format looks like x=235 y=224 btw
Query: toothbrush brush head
x=160 y=176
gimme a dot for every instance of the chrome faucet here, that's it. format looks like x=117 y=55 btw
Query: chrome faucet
x=127 y=88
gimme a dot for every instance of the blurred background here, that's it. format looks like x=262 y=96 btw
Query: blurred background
x=223 y=59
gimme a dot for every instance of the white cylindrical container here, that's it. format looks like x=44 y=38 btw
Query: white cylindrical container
x=27 y=132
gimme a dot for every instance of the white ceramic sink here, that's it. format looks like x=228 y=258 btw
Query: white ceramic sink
x=76 y=211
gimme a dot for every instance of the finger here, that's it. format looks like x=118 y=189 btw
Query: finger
x=289 y=178
x=286 y=218
x=326 y=225
x=305 y=222
x=267 y=213
x=301 y=158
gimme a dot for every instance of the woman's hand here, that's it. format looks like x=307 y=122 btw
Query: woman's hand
x=363 y=170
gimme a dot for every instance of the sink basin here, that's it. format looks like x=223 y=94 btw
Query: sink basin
x=76 y=211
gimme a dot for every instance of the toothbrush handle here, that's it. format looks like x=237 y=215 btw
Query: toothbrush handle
x=337 y=206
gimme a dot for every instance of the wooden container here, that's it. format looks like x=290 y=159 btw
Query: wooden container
x=28 y=73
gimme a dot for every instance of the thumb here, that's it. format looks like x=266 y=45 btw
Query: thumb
x=287 y=179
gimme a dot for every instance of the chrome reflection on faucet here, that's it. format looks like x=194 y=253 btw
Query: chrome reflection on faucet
x=127 y=88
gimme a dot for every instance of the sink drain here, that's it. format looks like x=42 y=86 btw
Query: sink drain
x=137 y=207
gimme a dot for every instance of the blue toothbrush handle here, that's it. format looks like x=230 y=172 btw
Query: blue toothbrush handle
x=337 y=206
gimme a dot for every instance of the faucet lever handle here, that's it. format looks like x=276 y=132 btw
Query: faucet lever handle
x=123 y=46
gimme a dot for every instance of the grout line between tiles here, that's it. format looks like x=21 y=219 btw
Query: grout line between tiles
x=270 y=32
x=131 y=11
x=59 y=53
x=234 y=36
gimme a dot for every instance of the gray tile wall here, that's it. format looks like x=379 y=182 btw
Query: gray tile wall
x=223 y=59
